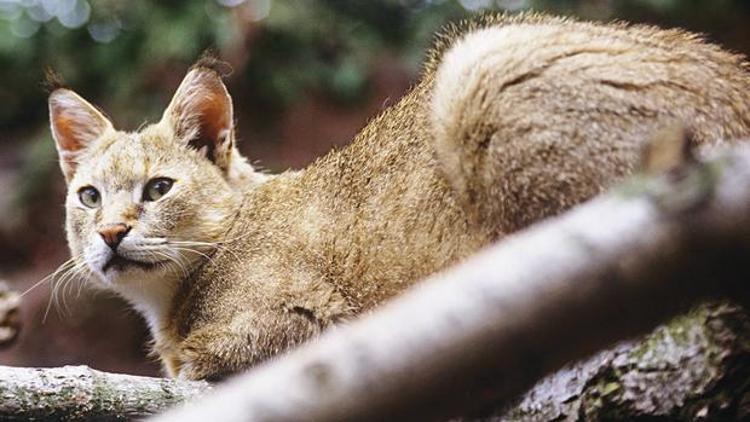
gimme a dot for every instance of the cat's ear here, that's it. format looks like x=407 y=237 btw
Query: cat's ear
x=201 y=115
x=75 y=125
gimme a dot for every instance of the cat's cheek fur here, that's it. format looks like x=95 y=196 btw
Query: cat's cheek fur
x=76 y=222
x=96 y=254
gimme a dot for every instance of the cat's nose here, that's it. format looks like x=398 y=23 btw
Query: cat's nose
x=113 y=234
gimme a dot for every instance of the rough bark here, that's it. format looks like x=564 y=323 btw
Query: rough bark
x=490 y=328
x=81 y=393
x=696 y=367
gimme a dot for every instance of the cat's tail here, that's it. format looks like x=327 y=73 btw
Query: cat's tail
x=499 y=137
x=469 y=95
x=530 y=117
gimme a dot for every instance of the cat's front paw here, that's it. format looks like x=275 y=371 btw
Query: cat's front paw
x=217 y=351
x=213 y=354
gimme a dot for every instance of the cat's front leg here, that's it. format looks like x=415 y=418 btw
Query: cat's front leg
x=216 y=351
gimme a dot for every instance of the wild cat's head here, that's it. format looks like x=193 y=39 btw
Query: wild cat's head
x=145 y=205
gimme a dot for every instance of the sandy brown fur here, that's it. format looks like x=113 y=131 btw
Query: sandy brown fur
x=479 y=148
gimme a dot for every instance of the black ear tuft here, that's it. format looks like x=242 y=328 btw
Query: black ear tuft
x=210 y=60
x=53 y=81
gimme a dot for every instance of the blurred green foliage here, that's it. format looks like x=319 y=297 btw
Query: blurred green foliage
x=110 y=56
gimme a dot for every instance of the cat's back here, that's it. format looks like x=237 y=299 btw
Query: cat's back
x=518 y=116
x=375 y=216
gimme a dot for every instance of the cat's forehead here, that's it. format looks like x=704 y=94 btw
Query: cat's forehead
x=125 y=159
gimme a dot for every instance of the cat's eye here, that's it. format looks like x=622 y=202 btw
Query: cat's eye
x=90 y=197
x=156 y=188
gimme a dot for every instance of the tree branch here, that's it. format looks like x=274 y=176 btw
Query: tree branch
x=693 y=368
x=78 y=392
x=488 y=329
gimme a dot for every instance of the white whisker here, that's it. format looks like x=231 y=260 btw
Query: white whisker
x=59 y=282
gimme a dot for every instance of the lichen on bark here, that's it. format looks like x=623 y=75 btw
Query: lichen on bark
x=695 y=367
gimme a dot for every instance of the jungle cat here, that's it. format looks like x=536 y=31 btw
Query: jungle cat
x=516 y=118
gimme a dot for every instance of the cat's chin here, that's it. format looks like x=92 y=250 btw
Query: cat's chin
x=122 y=264
x=119 y=270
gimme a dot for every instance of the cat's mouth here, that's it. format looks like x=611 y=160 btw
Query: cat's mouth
x=120 y=263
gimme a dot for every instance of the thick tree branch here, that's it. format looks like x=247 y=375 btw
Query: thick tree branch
x=78 y=392
x=489 y=328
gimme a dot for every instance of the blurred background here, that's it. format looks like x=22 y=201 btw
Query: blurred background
x=307 y=76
